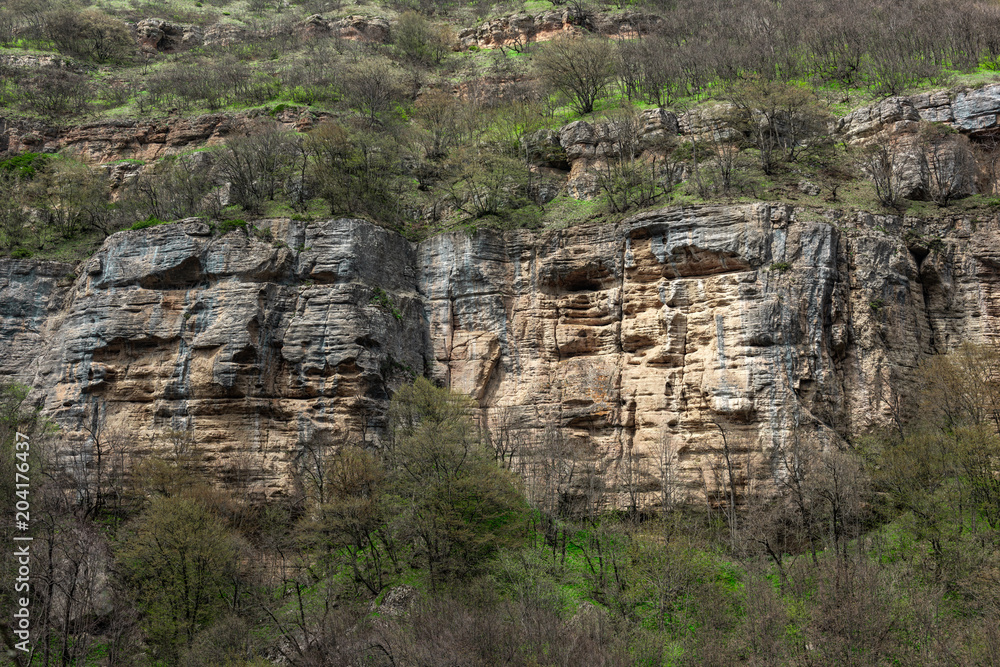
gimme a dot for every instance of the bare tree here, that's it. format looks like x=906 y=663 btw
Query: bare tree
x=668 y=467
x=254 y=165
x=505 y=435
x=373 y=87
x=781 y=120
x=951 y=166
x=883 y=163
x=580 y=68
x=628 y=177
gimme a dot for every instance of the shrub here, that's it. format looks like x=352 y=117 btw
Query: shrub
x=55 y=93
x=227 y=226
x=421 y=41
x=26 y=165
x=151 y=221
x=90 y=34
x=21 y=253
x=381 y=299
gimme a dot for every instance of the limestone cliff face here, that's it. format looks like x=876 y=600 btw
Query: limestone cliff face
x=661 y=331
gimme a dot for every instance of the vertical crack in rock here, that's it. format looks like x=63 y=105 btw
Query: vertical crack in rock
x=769 y=320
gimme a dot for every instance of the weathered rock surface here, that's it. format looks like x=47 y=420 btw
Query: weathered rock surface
x=519 y=29
x=160 y=35
x=367 y=28
x=973 y=112
x=143 y=139
x=652 y=333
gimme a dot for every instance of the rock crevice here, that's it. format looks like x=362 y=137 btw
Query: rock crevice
x=651 y=334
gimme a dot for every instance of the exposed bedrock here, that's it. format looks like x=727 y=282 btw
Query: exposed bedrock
x=663 y=330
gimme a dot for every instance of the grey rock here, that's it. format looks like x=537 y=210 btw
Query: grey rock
x=644 y=332
x=809 y=188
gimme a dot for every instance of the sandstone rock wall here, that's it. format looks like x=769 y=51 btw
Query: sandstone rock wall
x=659 y=332
x=141 y=139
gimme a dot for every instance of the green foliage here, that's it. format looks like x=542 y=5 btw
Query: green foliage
x=151 y=221
x=358 y=173
x=381 y=299
x=488 y=184
x=22 y=253
x=184 y=565
x=781 y=267
x=455 y=505
x=420 y=41
x=25 y=165
x=227 y=226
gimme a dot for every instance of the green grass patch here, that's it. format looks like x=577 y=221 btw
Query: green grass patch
x=25 y=165
x=227 y=226
x=151 y=221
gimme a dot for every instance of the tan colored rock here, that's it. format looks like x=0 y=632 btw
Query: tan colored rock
x=156 y=34
x=141 y=139
x=655 y=332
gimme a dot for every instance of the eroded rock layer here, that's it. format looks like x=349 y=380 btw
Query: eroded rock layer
x=661 y=333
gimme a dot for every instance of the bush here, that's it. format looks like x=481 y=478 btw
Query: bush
x=227 y=226
x=90 y=34
x=26 y=165
x=148 y=222
x=55 y=93
x=21 y=253
x=421 y=41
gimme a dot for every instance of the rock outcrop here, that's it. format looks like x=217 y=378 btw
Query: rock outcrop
x=160 y=35
x=652 y=335
x=517 y=30
x=141 y=139
x=974 y=112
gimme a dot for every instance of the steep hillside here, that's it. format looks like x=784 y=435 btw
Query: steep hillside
x=633 y=340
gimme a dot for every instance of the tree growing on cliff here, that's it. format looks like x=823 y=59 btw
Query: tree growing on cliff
x=254 y=165
x=951 y=165
x=357 y=173
x=487 y=183
x=14 y=221
x=582 y=69
x=780 y=120
x=883 y=163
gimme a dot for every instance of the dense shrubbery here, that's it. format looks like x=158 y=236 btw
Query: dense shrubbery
x=688 y=48
x=879 y=552
x=417 y=136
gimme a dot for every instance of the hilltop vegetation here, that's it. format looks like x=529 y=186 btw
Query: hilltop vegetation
x=414 y=115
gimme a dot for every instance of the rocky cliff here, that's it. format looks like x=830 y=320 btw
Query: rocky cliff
x=656 y=334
